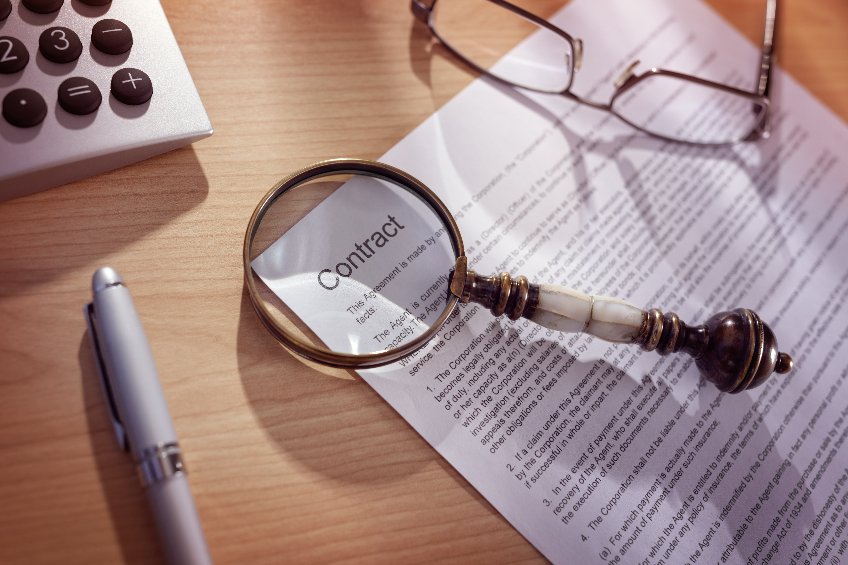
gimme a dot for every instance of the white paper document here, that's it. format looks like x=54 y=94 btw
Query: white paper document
x=599 y=452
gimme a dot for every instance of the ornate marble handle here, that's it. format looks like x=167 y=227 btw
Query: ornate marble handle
x=734 y=350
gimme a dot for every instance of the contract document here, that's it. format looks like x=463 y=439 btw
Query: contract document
x=599 y=452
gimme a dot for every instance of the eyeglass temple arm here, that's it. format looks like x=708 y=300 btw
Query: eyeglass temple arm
x=767 y=57
x=733 y=350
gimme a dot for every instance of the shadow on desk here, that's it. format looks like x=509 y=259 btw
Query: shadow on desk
x=339 y=428
x=45 y=235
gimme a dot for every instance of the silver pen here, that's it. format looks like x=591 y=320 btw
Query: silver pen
x=140 y=416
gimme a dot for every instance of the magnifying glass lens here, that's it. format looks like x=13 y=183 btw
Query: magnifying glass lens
x=351 y=264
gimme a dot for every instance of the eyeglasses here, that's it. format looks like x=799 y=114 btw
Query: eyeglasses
x=666 y=104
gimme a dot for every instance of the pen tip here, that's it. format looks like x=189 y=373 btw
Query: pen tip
x=105 y=277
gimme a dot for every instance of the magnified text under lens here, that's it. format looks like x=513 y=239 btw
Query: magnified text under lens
x=366 y=266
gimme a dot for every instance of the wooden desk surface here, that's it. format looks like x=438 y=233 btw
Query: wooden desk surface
x=286 y=464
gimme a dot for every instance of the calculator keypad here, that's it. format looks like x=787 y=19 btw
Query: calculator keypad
x=62 y=119
x=62 y=45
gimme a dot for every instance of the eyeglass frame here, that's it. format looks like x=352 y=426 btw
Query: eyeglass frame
x=423 y=12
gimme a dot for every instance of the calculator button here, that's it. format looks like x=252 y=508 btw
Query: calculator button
x=79 y=96
x=60 y=45
x=112 y=36
x=5 y=9
x=131 y=86
x=43 y=6
x=24 y=108
x=13 y=55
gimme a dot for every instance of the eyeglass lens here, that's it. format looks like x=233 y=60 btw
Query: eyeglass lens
x=475 y=29
x=673 y=106
x=688 y=111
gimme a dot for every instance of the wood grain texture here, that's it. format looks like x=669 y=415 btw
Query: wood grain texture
x=286 y=464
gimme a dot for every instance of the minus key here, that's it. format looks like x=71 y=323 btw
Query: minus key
x=112 y=37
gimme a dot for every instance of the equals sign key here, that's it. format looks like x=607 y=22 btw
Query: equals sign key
x=79 y=95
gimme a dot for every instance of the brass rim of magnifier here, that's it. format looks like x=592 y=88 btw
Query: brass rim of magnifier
x=336 y=167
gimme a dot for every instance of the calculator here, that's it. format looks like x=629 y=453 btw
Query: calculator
x=88 y=86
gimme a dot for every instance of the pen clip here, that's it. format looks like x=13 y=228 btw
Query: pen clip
x=103 y=372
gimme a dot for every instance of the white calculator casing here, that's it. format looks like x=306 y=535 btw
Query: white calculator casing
x=67 y=147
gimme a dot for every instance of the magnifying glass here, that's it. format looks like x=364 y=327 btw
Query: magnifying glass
x=357 y=264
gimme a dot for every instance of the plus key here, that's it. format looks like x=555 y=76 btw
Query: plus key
x=131 y=86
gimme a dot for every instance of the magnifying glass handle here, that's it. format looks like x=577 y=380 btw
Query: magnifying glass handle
x=734 y=350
